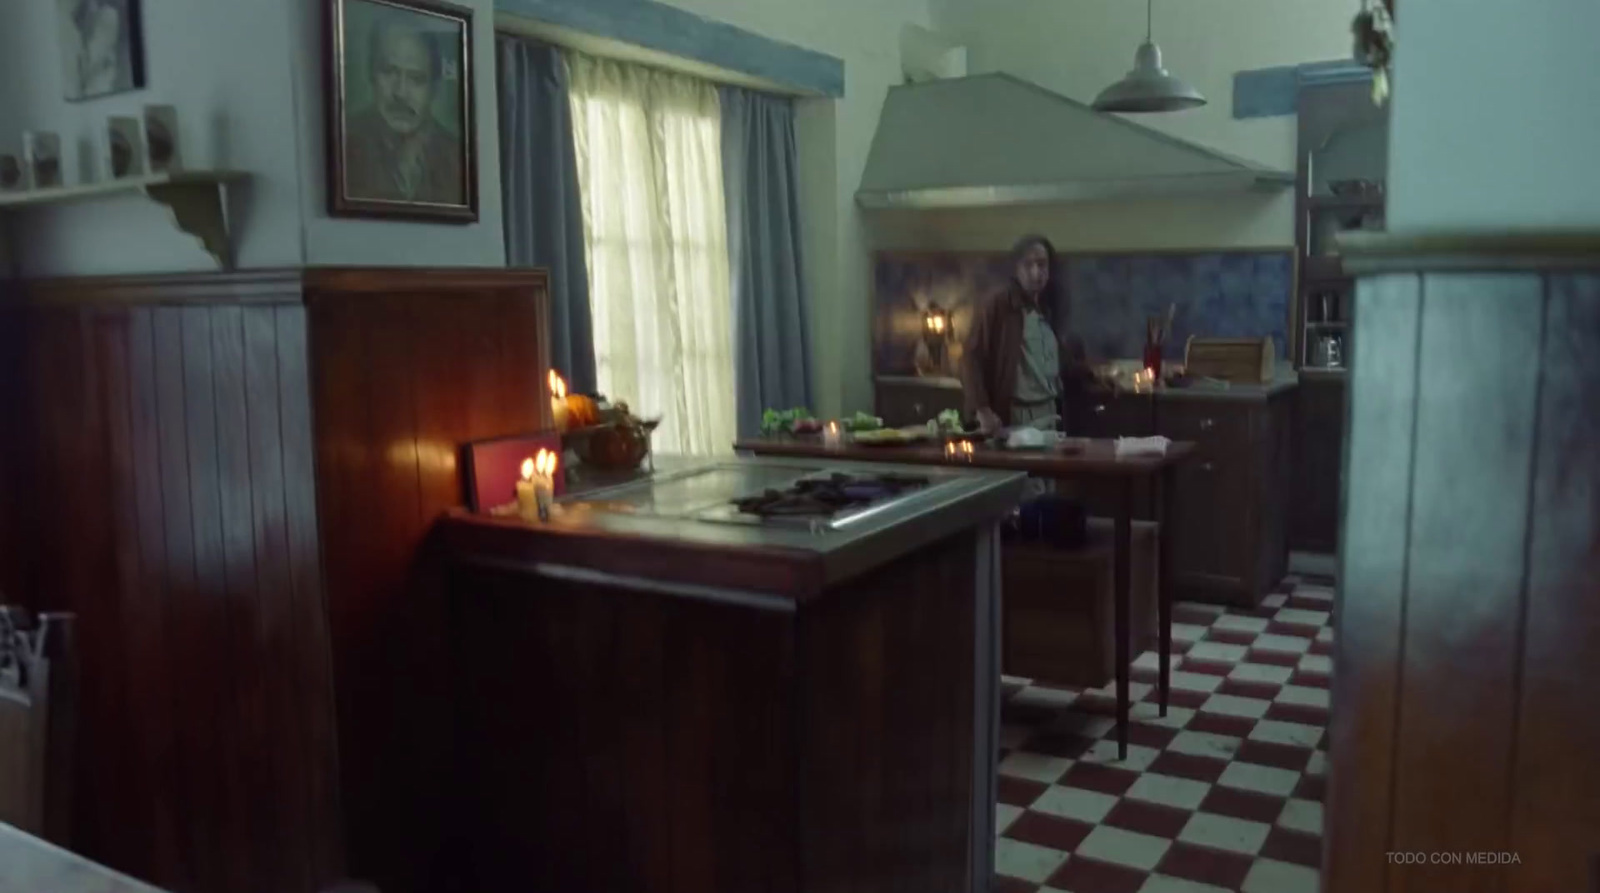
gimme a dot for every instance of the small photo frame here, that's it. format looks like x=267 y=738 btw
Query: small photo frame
x=124 y=148
x=11 y=176
x=402 y=142
x=161 y=139
x=41 y=155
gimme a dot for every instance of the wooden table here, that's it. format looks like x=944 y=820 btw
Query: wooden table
x=1097 y=459
x=30 y=864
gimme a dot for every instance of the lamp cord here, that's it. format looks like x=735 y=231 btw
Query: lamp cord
x=1148 y=5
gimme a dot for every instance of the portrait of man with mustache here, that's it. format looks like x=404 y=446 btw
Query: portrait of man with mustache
x=396 y=147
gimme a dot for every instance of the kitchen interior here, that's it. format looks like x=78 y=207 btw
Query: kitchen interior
x=489 y=635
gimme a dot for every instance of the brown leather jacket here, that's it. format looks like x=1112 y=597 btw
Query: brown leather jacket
x=993 y=348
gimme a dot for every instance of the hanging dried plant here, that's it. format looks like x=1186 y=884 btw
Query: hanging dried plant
x=1374 y=45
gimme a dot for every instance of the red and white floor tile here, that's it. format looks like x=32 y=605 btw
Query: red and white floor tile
x=1222 y=794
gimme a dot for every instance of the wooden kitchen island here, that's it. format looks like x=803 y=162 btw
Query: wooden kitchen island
x=1095 y=461
x=656 y=694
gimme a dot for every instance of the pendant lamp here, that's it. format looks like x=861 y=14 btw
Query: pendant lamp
x=1148 y=87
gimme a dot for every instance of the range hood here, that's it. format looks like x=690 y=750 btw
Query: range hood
x=993 y=139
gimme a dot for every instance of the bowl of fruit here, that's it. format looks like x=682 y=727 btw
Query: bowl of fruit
x=617 y=440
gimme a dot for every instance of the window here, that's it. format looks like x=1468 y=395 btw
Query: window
x=649 y=149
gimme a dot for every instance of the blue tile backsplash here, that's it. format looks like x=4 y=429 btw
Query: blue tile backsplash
x=1108 y=296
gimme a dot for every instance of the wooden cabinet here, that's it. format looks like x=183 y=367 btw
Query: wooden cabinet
x=1230 y=541
x=1230 y=524
x=1318 y=461
x=906 y=400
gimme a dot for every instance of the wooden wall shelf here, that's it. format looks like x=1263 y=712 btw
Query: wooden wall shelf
x=196 y=200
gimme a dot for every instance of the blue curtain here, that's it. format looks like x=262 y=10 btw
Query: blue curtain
x=770 y=325
x=543 y=208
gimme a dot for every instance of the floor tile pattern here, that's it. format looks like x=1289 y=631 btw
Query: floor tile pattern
x=1222 y=795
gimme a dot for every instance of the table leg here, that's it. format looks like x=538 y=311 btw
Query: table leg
x=1123 y=599
x=1164 y=585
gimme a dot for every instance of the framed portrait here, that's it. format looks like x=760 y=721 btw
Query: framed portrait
x=401 y=136
x=102 y=47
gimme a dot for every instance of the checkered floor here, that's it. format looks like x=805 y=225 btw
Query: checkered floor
x=1222 y=794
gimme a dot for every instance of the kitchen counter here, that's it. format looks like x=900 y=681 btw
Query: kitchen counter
x=1202 y=390
x=652 y=695
x=628 y=525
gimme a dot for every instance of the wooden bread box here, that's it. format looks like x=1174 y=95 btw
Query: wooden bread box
x=1240 y=360
x=1057 y=610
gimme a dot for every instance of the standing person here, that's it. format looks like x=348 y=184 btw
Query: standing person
x=1017 y=359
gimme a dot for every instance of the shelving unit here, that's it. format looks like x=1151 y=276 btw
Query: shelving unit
x=197 y=201
x=1343 y=136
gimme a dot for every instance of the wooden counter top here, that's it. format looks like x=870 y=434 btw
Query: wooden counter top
x=1098 y=457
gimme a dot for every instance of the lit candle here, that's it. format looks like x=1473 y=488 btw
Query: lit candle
x=831 y=438
x=558 y=400
x=544 y=482
x=527 y=498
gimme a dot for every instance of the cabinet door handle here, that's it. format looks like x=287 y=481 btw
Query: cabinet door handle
x=1098 y=410
x=1207 y=467
x=1207 y=424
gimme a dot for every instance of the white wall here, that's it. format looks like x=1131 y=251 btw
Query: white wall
x=346 y=241
x=223 y=63
x=247 y=79
x=1079 y=47
x=866 y=35
x=1496 y=118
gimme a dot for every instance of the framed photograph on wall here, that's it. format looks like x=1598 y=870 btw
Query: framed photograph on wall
x=102 y=47
x=401 y=136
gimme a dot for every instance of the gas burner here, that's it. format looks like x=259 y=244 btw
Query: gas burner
x=823 y=496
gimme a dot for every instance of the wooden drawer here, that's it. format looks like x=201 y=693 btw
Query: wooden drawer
x=910 y=402
x=1102 y=414
x=1211 y=424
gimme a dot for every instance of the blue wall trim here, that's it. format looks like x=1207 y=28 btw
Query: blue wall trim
x=1269 y=92
x=668 y=29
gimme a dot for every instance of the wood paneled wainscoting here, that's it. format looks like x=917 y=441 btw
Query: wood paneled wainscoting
x=1467 y=671
x=229 y=479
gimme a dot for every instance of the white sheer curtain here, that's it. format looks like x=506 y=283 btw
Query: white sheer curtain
x=650 y=170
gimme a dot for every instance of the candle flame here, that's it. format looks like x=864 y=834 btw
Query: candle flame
x=558 y=386
x=833 y=427
x=527 y=469
x=546 y=464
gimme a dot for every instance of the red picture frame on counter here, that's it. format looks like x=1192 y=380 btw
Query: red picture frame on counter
x=491 y=468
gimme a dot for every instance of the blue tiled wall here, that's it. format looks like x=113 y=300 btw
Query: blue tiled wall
x=1108 y=298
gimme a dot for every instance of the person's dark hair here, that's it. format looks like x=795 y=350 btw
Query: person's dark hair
x=387 y=24
x=1051 y=297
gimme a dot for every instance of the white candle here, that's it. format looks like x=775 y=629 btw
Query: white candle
x=558 y=400
x=527 y=497
x=831 y=438
x=544 y=482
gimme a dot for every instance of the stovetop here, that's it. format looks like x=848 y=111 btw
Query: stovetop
x=764 y=494
x=826 y=495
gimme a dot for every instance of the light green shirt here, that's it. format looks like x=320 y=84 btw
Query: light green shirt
x=1039 y=369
